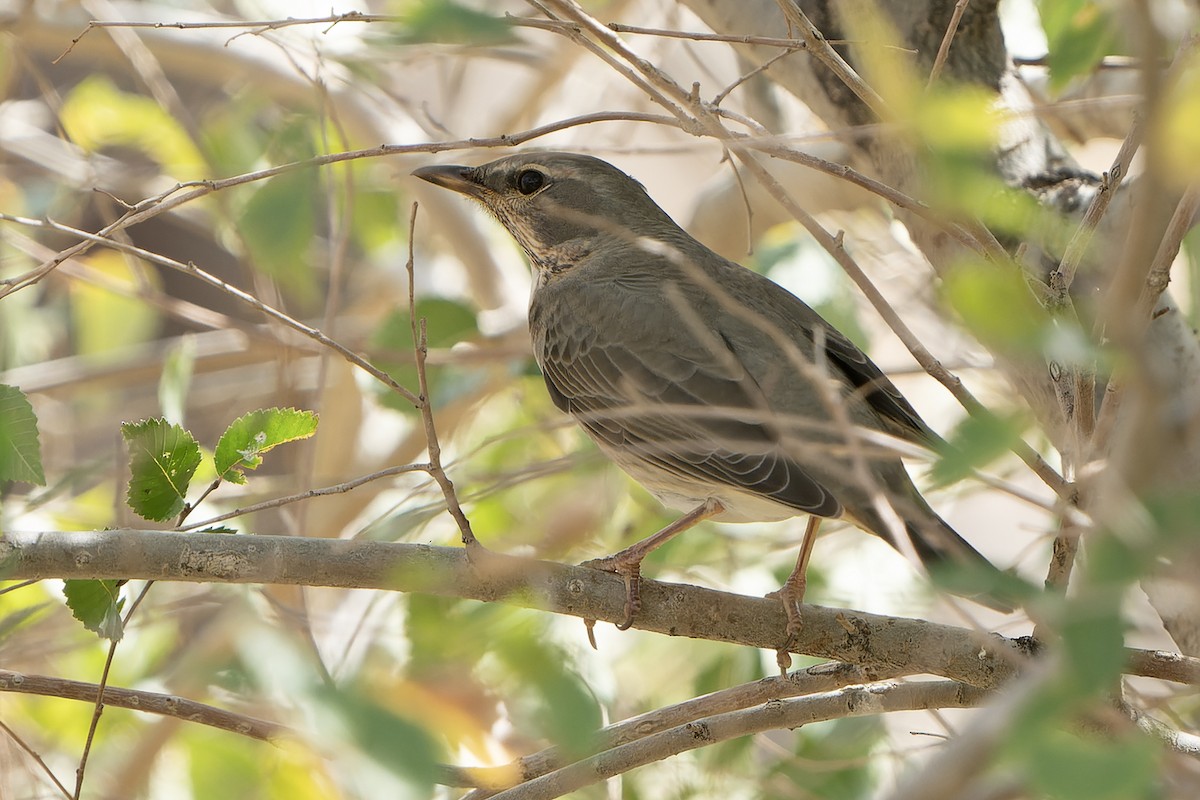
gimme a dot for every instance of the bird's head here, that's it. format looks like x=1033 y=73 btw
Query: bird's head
x=557 y=205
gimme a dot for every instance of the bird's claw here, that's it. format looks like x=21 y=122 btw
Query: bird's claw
x=631 y=573
x=790 y=595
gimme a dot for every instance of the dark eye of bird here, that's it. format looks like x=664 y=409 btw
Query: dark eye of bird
x=529 y=181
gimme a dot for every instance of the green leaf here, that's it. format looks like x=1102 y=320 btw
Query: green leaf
x=97 y=604
x=445 y=21
x=20 y=448
x=998 y=308
x=1079 y=33
x=278 y=226
x=162 y=460
x=1073 y=766
x=95 y=307
x=555 y=701
x=244 y=442
x=402 y=747
x=176 y=378
x=1093 y=639
x=446 y=323
x=974 y=443
x=97 y=115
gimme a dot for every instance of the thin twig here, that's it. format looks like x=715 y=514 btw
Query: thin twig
x=21 y=743
x=820 y=48
x=176 y=196
x=420 y=349
x=944 y=48
x=20 y=585
x=761 y=68
x=99 y=709
x=190 y=268
x=307 y=495
x=767 y=41
x=1061 y=278
x=95 y=723
x=166 y=705
x=852 y=701
x=259 y=26
x=1158 y=271
x=825 y=677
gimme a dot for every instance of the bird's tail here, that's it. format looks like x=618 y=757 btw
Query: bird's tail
x=939 y=546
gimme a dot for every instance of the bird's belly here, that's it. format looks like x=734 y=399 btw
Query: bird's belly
x=686 y=493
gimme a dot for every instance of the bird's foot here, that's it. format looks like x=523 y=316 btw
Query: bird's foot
x=790 y=595
x=630 y=571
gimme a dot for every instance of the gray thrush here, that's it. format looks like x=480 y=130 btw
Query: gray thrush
x=715 y=388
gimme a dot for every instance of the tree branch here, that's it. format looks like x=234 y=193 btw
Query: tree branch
x=895 y=644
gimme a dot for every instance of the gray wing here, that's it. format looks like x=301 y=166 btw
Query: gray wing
x=793 y=316
x=898 y=416
x=675 y=407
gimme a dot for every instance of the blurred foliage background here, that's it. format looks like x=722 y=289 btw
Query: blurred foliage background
x=382 y=687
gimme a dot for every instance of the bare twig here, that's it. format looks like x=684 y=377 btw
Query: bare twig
x=339 y=488
x=21 y=743
x=420 y=349
x=768 y=41
x=95 y=723
x=18 y=585
x=1061 y=278
x=1064 y=275
x=138 y=700
x=820 y=48
x=259 y=26
x=238 y=294
x=188 y=191
x=761 y=68
x=851 y=701
x=1158 y=271
x=944 y=48
x=820 y=678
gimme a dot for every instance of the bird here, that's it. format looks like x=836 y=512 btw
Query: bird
x=722 y=393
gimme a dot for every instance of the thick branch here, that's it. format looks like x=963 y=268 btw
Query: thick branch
x=896 y=644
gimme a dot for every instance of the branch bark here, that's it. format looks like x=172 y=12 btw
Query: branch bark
x=895 y=645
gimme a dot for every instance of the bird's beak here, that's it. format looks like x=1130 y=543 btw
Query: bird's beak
x=450 y=176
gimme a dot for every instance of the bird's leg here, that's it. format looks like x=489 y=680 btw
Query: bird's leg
x=628 y=562
x=792 y=593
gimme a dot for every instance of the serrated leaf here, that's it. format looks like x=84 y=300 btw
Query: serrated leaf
x=162 y=460
x=20 y=447
x=97 y=604
x=244 y=442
